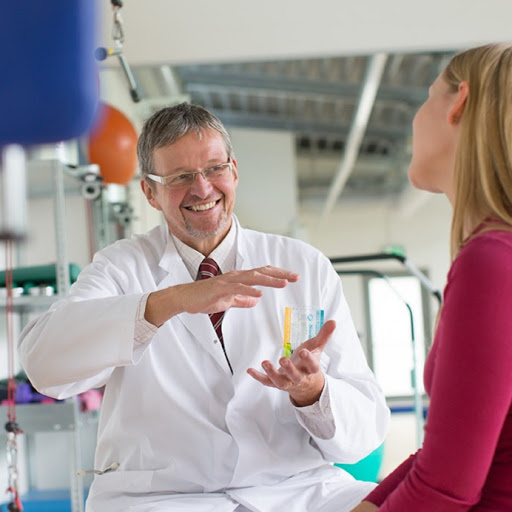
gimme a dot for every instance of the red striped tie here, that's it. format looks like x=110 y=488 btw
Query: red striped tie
x=207 y=269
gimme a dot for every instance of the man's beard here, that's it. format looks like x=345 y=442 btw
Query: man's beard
x=198 y=233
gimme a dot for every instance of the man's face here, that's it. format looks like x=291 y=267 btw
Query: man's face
x=199 y=215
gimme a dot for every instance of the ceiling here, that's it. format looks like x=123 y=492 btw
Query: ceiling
x=309 y=69
x=317 y=100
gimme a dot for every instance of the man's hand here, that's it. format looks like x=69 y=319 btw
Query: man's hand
x=236 y=289
x=300 y=375
x=365 y=506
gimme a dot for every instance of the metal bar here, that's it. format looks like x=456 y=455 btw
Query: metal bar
x=418 y=402
x=297 y=123
x=77 y=488
x=295 y=85
x=171 y=80
x=62 y=267
x=374 y=71
x=424 y=280
x=63 y=285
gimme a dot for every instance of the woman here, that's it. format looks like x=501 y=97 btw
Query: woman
x=462 y=147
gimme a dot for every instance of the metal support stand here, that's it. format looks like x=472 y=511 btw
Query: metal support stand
x=77 y=489
x=425 y=282
x=418 y=402
x=63 y=285
x=59 y=211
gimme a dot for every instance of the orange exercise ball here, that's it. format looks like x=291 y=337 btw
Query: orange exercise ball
x=113 y=146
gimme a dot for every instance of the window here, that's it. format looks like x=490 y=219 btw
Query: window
x=396 y=312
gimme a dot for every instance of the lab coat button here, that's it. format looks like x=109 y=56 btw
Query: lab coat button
x=215 y=340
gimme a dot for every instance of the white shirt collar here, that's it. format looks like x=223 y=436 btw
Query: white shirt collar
x=224 y=254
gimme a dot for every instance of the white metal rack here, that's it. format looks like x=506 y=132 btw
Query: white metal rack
x=61 y=416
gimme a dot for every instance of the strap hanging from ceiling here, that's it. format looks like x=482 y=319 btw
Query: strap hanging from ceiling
x=102 y=53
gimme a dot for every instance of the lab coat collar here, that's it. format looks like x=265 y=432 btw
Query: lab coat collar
x=171 y=261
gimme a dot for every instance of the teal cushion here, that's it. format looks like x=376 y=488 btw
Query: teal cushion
x=366 y=469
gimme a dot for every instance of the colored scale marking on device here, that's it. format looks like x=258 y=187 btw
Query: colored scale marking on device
x=287 y=345
x=300 y=324
x=319 y=320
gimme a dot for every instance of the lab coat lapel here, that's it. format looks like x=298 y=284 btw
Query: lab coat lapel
x=241 y=249
x=198 y=325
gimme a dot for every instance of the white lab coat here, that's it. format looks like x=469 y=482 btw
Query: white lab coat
x=174 y=417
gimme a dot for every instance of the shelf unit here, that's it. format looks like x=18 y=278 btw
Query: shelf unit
x=61 y=416
x=58 y=417
x=52 y=417
x=25 y=304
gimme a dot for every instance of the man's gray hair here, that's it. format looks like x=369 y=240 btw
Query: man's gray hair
x=167 y=125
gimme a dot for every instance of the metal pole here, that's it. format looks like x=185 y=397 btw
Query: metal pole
x=63 y=285
x=374 y=71
x=62 y=267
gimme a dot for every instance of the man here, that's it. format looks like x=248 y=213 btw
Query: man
x=188 y=422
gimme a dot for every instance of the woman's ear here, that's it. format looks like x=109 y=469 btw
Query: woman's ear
x=455 y=113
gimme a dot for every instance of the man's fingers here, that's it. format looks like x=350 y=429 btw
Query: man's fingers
x=291 y=371
x=279 y=273
x=245 y=290
x=272 y=277
x=271 y=377
x=308 y=363
x=260 y=377
x=243 y=301
x=327 y=329
x=323 y=336
x=279 y=380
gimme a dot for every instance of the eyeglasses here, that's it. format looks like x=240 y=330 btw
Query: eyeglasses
x=184 y=180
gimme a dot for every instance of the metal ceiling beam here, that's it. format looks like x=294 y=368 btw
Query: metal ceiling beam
x=300 y=126
x=266 y=83
x=374 y=71
x=316 y=194
x=172 y=80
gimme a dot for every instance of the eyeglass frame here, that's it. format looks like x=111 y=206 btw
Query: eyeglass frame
x=164 y=180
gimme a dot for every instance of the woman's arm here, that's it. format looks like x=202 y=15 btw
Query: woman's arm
x=470 y=388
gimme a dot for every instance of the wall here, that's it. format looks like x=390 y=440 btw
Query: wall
x=267 y=188
x=364 y=226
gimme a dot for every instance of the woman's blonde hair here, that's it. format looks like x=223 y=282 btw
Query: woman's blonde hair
x=483 y=162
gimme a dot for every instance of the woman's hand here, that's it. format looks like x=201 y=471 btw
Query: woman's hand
x=365 y=506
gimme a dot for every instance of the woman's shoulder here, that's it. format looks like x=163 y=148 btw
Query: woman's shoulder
x=488 y=253
x=495 y=243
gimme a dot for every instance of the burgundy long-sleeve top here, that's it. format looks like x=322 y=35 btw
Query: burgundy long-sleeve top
x=465 y=463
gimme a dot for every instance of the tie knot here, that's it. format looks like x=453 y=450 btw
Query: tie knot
x=208 y=268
